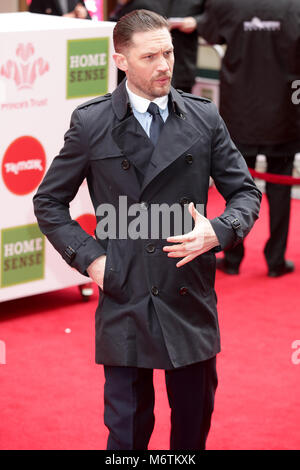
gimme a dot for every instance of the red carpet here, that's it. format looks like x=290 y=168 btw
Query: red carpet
x=52 y=392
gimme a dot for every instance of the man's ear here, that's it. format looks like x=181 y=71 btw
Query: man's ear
x=120 y=61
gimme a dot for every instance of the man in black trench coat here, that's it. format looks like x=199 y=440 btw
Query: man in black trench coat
x=155 y=310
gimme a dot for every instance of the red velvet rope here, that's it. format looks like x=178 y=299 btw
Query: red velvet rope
x=277 y=179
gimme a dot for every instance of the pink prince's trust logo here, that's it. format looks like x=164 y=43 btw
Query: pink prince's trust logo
x=25 y=69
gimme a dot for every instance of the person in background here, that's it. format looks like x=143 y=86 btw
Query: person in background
x=67 y=8
x=184 y=33
x=261 y=63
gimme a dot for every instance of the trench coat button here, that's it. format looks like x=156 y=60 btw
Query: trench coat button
x=125 y=164
x=184 y=200
x=183 y=291
x=189 y=159
x=154 y=290
x=144 y=205
x=236 y=224
x=150 y=248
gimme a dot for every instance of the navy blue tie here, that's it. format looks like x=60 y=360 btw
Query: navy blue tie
x=156 y=124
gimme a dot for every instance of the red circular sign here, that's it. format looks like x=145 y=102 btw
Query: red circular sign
x=23 y=165
x=88 y=222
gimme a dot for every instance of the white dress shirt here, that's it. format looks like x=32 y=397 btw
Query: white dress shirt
x=140 y=105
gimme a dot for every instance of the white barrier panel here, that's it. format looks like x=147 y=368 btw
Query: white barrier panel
x=48 y=66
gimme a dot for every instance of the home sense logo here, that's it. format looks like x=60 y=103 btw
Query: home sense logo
x=24 y=69
x=87 y=67
x=22 y=255
x=23 y=165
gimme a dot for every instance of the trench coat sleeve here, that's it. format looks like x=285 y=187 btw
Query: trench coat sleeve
x=36 y=7
x=208 y=24
x=198 y=16
x=233 y=180
x=58 y=188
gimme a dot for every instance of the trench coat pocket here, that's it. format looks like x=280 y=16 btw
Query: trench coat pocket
x=105 y=156
x=107 y=269
x=111 y=267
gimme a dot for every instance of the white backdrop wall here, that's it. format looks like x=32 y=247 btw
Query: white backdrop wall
x=38 y=92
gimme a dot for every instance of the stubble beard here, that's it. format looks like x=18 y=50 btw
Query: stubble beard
x=151 y=90
x=158 y=92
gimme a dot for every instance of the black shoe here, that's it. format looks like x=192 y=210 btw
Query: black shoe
x=223 y=265
x=285 y=268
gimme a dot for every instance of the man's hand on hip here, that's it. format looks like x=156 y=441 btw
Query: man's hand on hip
x=201 y=239
x=96 y=270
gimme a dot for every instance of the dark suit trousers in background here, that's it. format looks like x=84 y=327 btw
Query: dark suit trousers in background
x=279 y=199
x=129 y=405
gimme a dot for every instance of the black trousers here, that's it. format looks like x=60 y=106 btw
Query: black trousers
x=279 y=199
x=129 y=405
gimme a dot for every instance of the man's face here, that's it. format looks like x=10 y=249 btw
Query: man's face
x=149 y=63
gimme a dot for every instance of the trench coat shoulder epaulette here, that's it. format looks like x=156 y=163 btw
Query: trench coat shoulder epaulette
x=194 y=97
x=99 y=99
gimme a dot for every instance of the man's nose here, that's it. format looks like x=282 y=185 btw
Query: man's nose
x=163 y=65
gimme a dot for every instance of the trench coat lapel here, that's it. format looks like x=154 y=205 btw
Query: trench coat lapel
x=177 y=136
x=128 y=134
x=133 y=141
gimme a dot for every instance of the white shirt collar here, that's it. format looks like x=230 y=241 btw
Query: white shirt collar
x=141 y=104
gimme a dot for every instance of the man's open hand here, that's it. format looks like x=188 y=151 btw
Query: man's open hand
x=201 y=239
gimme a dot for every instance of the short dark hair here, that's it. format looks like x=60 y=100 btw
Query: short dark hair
x=137 y=21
